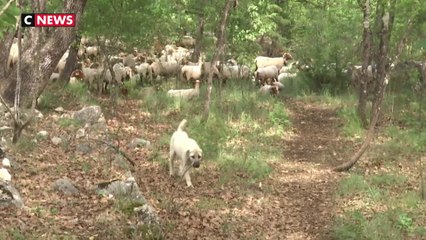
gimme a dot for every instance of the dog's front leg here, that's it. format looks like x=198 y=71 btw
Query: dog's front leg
x=188 y=179
x=184 y=172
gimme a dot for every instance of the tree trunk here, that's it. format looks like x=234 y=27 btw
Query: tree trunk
x=220 y=50
x=71 y=62
x=366 y=57
x=199 y=38
x=49 y=50
x=382 y=79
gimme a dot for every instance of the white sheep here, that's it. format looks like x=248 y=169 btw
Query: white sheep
x=93 y=77
x=54 y=77
x=230 y=72
x=186 y=94
x=129 y=61
x=187 y=41
x=232 y=62
x=264 y=73
x=121 y=74
x=279 y=85
x=85 y=41
x=269 y=89
x=159 y=69
x=244 y=72
x=80 y=52
x=13 y=55
x=170 y=68
x=142 y=69
x=278 y=62
x=92 y=51
x=289 y=67
x=194 y=72
x=286 y=75
x=61 y=64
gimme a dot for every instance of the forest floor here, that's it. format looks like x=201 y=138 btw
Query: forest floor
x=294 y=202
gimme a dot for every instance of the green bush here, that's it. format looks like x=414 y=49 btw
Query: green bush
x=352 y=124
x=351 y=185
x=279 y=116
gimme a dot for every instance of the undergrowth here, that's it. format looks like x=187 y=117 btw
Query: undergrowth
x=233 y=137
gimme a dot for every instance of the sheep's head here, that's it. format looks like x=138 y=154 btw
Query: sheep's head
x=274 y=90
x=78 y=74
x=287 y=56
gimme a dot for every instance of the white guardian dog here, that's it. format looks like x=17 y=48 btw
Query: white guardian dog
x=186 y=150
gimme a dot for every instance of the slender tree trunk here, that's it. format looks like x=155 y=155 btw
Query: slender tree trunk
x=220 y=50
x=366 y=56
x=52 y=47
x=382 y=80
x=17 y=128
x=71 y=62
x=200 y=35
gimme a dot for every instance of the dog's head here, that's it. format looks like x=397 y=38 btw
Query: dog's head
x=194 y=157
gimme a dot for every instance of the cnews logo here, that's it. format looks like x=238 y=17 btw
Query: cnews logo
x=48 y=20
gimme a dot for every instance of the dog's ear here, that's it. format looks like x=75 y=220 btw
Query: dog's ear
x=187 y=154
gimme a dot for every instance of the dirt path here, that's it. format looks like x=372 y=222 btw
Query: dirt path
x=308 y=185
x=295 y=202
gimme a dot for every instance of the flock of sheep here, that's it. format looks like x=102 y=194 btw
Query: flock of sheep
x=100 y=70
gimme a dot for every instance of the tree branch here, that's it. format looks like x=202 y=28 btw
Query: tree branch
x=6 y=7
x=116 y=148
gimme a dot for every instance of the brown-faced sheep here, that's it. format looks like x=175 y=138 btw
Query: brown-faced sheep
x=278 y=62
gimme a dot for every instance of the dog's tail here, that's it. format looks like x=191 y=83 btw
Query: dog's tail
x=182 y=125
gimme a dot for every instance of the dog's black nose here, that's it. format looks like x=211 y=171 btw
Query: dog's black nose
x=196 y=164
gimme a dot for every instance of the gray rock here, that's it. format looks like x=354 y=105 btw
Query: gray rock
x=146 y=214
x=42 y=134
x=56 y=141
x=80 y=133
x=38 y=114
x=65 y=186
x=129 y=188
x=89 y=114
x=59 y=109
x=122 y=188
x=139 y=142
x=5 y=162
x=5 y=175
x=99 y=127
x=9 y=196
x=84 y=148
